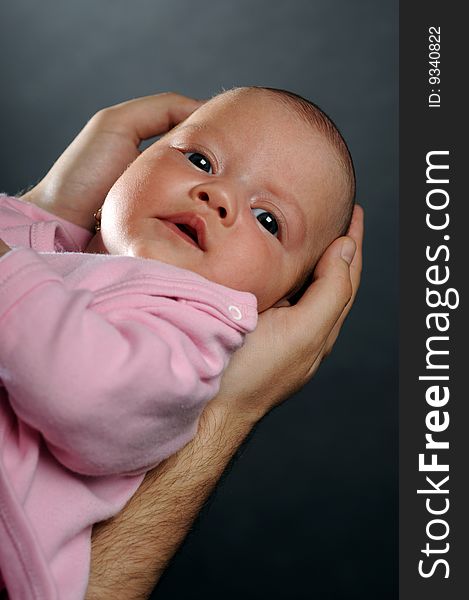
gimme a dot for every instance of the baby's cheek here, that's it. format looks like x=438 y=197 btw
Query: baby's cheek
x=115 y=236
x=251 y=267
x=274 y=280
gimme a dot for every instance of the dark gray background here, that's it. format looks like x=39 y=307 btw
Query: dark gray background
x=310 y=509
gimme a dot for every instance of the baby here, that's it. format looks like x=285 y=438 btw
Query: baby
x=107 y=359
x=254 y=178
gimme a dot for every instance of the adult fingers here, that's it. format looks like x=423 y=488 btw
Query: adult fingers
x=145 y=117
x=356 y=231
x=314 y=316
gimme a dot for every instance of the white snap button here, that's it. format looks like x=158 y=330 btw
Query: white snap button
x=235 y=312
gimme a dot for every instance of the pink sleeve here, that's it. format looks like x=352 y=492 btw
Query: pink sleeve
x=110 y=393
x=25 y=224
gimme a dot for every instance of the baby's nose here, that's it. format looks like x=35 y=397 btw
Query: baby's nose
x=206 y=198
x=220 y=200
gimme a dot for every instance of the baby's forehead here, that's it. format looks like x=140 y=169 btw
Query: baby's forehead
x=259 y=118
x=273 y=138
x=245 y=103
x=261 y=112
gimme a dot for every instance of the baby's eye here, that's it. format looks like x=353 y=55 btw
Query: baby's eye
x=266 y=219
x=200 y=161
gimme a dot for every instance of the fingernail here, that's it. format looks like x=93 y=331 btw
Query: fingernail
x=348 y=250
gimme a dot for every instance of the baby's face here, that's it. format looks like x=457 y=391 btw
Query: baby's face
x=237 y=193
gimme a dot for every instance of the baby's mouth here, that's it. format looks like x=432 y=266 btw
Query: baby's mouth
x=189 y=227
x=189 y=231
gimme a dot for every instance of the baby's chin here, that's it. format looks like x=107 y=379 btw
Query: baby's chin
x=96 y=246
x=284 y=302
x=264 y=304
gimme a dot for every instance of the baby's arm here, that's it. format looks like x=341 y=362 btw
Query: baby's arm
x=23 y=224
x=114 y=379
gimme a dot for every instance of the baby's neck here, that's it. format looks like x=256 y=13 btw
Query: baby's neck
x=95 y=246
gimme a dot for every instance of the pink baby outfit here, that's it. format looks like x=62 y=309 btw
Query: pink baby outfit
x=106 y=363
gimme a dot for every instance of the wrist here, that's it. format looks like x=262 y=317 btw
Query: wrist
x=226 y=422
x=242 y=408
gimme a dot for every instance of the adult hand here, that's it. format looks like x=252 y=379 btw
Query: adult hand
x=79 y=181
x=289 y=343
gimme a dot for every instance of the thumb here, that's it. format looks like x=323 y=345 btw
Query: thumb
x=325 y=299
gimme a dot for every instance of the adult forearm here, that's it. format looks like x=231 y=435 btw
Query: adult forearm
x=131 y=551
